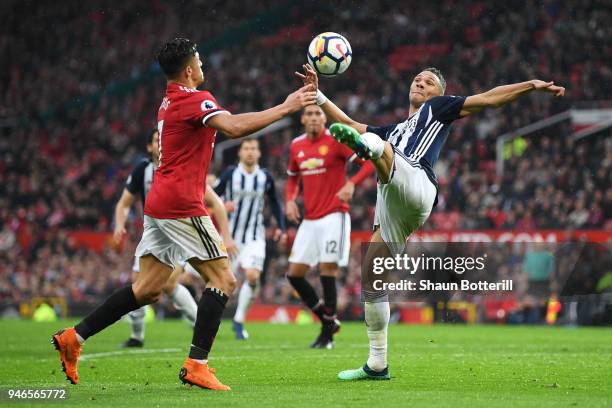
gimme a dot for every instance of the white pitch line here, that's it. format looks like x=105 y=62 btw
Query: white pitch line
x=93 y=356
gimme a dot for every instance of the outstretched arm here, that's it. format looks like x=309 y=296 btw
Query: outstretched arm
x=332 y=111
x=504 y=94
x=234 y=126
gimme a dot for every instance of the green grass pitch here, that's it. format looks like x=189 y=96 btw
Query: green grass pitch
x=442 y=365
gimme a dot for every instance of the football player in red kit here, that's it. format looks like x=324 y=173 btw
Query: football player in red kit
x=177 y=226
x=323 y=237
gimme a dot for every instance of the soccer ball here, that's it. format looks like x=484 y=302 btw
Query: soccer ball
x=329 y=54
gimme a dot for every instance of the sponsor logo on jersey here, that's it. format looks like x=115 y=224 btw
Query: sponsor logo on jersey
x=312 y=163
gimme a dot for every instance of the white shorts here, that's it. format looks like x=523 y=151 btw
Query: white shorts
x=404 y=203
x=326 y=240
x=180 y=239
x=251 y=255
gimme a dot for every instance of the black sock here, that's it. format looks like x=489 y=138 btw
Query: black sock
x=330 y=296
x=307 y=294
x=119 y=303
x=210 y=308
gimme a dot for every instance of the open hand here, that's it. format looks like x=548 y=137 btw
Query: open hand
x=309 y=77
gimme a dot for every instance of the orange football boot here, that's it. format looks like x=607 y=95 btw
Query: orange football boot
x=201 y=375
x=65 y=341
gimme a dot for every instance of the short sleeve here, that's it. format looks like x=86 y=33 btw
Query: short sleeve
x=202 y=106
x=135 y=182
x=446 y=108
x=383 y=131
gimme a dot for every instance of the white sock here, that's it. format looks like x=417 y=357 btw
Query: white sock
x=80 y=339
x=185 y=303
x=377 y=320
x=137 y=318
x=245 y=297
x=374 y=143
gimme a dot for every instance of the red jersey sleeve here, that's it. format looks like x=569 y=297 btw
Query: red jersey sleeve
x=292 y=186
x=293 y=168
x=202 y=106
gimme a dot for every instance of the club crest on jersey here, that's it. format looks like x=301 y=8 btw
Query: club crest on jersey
x=208 y=105
x=323 y=150
x=311 y=164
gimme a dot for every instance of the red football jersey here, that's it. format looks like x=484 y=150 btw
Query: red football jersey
x=185 y=151
x=321 y=163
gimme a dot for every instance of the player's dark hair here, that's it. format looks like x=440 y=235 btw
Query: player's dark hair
x=438 y=73
x=149 y=136
x=249 y=139
x=175 y=55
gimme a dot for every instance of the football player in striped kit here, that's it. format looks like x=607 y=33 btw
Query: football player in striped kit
x=404 y=155
x=244 y=188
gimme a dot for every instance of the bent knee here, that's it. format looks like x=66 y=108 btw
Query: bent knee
x=146 y=294
x=229 y=283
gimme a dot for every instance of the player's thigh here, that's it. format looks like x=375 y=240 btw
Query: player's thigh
x=151 y=279
x=216 y=272
x=173 y=280
x=333 y=238
x=305 y=249
x=404 y=204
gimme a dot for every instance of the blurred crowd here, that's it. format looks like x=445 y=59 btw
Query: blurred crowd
x=81 y=90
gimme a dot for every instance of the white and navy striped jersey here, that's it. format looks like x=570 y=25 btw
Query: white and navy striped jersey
x=247 y=191
x=420 y=137
x=139 y=181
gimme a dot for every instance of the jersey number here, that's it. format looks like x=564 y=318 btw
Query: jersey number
x=331 y=247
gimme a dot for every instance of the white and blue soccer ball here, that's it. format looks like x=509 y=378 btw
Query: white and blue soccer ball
x=329 y=54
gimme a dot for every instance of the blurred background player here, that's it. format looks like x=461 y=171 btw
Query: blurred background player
x=176 y=223
x=244 y=188
x=404 y=155
x=324 y=236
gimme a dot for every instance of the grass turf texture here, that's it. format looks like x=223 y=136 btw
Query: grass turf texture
x=442 y=365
